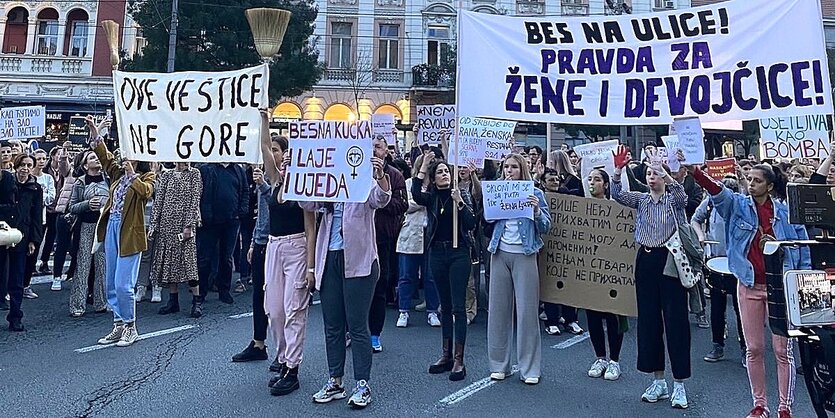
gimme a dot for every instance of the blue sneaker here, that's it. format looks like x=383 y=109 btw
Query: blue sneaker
x=375 y=344
x=361 y=396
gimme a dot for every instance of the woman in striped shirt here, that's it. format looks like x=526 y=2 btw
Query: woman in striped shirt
x=662 y=300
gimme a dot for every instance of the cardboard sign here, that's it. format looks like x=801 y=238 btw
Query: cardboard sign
x=383 y=125
x=507 y=199
x=191 y=116
x=730 y=60
x=482 y=139
x=794 y=137
x=718 y=169
x=22 y=122
x=691 y=139
x=432 y=121
x=588 y=260
x=329 y=161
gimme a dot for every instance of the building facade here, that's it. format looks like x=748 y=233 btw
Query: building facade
x=55 y=53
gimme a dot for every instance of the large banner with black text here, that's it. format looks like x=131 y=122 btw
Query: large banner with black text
x=735 y=60
x=191 y=116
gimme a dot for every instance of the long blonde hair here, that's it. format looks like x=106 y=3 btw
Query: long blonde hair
x=523 y=165
x=561 y=162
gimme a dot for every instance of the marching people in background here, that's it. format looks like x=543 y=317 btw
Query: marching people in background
x=22 y=208
x=662 y=300
x=59 y=168
x=347 y=269
x=606 y=366
x=515 y=284
x=48 y=187
x=413 y=260
x=225 y=199
x=174 y=220
x=826 y=172
x=121 y=228
x=710 y=226
x=388 y=221
x=450 y=265
x=758 y=218
x=470 y=188
x=88 y=197
x=288 y=279
x=67 y=232
x=5 y=156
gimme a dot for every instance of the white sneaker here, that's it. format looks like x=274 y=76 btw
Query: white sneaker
x=679 y=396
x=656 y=392
x=497 y=376
x=56 y=285
x=575 y=328
x=532 y=381
x=597 y=368
x=28 y=293
x=156 y=296
x=115 y=335
x=403 y=320
x=433 y=320
x=612 y=371
x=129 y=336
x=542 y=316
x=140 y=293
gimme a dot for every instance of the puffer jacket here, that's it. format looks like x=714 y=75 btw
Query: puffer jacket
x=65 y=194
x=410 y=240
x=30 y=208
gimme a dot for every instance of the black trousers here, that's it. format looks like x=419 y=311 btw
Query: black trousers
x=451 y=270
x=63 y=244
x=242 y=266
x=216 y=243
x=556 y=311
x=388 y=274
x=718 y=308
x=598 y=336
x=16 y=259
x=49 y=235
x=662 y=307
x=259 y=317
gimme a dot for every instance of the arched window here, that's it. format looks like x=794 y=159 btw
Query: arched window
x=287 y=110
x=390 y=109
x=75 y=41
x=339 y=111
x=16 y=31
x=47 y=41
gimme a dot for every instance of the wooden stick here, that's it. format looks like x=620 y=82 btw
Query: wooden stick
x=457 y=120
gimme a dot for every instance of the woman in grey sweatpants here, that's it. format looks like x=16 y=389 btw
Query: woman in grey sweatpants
x=514 y=283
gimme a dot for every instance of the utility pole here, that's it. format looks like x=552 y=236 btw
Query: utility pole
x=172 y=37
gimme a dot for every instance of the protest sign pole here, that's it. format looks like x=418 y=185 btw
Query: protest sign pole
x=548 y=140
x=457 y=121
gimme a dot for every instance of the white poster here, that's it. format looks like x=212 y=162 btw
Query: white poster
x=794 y=137
x=734 y=60
x=482 y=139
x=434 y=120
x=671 y=147
x=22 y=122
x=191 y=116
x=383 y=125
x=598 y=155
x=691 y=139
x=329 y=161
x=507 y=199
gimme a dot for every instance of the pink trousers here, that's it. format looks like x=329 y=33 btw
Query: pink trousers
x=753 y=310
x=286 y=295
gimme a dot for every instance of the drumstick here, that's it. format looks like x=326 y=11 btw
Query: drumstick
x=711 y=242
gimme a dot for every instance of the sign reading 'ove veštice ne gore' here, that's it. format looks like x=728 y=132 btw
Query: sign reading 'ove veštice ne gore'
x=329 y=161
x=191 y=116
x=736 y=60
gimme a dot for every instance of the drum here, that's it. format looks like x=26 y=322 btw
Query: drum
x=719 y=276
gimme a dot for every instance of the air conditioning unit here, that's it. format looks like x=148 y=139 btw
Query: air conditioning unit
x=669 y=4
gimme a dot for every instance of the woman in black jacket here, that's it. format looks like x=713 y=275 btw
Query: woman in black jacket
x=27 y=198
x=450 y=266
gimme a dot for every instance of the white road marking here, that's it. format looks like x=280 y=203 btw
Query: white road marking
x=571 y=341
x=140 y=338
x=42 y=279
x=239 y=316
x=472 y=389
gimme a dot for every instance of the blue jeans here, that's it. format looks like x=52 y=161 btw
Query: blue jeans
x=121 y=274
x=410 y=265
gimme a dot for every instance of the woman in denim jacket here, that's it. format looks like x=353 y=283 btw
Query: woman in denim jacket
x=514 y=277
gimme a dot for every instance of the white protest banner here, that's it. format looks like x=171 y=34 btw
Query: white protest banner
x=383 y=125
x=483 y=139
x=432 y=120
x=597 y=155
x=22 y=122
x=507 y=199
x=691 y=139
x=329 y=161
x=671 y=147
x=191 y=116
x=794 y=137
x=734 y=60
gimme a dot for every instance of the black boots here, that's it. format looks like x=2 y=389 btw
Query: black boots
x=173 y=305
x=250 y=353
x=444 y=364
x=287 y=384
x=459 y=371
x=196 y=306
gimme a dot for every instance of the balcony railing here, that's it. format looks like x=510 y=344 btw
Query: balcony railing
x=388 y=76
x=46 y=65
x=340 y=74
x=575 y=9
x=426 y=75
x=530 y=7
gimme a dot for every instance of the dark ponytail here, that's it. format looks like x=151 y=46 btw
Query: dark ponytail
x=775 y=176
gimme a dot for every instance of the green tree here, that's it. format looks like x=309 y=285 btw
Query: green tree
x=215 y=36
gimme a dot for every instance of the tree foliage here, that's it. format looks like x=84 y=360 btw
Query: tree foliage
x=215 y=36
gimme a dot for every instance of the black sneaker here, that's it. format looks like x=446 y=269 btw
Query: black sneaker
x=717 y=354
x=44 y=268
x=250 y=353
x=277 y=366
x=16 y=326
x=226 y=298
x=287 y=384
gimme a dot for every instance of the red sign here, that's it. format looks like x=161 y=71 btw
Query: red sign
x=721 y=167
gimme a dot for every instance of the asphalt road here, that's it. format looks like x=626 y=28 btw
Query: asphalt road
x=48 y=372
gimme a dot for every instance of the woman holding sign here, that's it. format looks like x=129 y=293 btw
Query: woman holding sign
x=121 y=228
x=514 y=282
x=662 y=300
x=450 y=265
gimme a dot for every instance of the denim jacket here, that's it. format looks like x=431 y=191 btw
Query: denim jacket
x=530 y=230
x=740 y=214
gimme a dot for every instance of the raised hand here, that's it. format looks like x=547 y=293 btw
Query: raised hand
x=622 y=157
